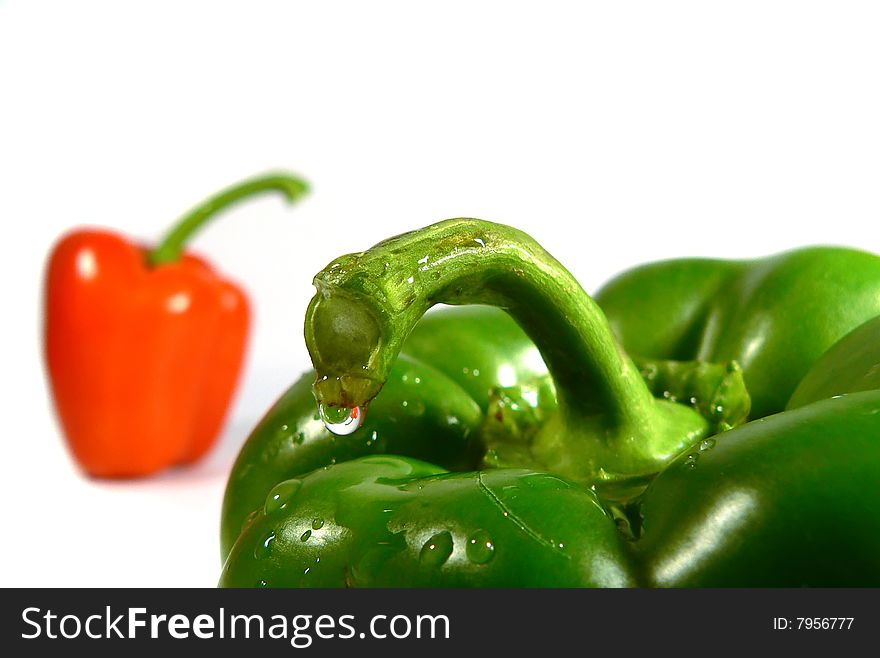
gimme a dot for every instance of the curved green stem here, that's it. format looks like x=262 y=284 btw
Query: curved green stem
x=171 y=246
x=608 y=424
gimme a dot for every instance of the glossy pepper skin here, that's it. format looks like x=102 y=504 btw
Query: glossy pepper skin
x=390 y=521
x=608 y=482
x=785 y=501
x=144 y=347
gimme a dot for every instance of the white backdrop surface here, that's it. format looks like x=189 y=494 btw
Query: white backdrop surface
x=614 y=133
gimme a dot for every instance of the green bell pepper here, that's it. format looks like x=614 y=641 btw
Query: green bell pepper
x=475 y=464
x=432 y=407
x=850 y=365
x=775 y=316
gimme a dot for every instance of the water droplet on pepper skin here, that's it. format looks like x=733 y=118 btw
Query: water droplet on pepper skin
x=264 y=548
x=280 y=495
x=437 y=549
x=317 y=524
x=480 y=547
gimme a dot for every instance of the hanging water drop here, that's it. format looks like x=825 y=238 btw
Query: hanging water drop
x=342 y=421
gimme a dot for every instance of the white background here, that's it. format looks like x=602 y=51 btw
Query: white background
x=614 y=133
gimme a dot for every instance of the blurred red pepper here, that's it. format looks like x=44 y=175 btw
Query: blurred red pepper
x=144 y=348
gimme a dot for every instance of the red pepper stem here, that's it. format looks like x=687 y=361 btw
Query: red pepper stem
x=171 y=247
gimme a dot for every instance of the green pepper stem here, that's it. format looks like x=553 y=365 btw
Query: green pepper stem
x=170 y=248
x=368 y=303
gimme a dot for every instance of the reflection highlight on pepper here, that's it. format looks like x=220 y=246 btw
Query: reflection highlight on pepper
x=701 y=541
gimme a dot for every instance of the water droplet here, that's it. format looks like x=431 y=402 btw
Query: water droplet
x=342 y=421
x=480 y=548
x=280 y=495
x=299 y=437
x=262 y=583
x=317 y=524
x=476 y=373
x=707 y=444
x=437 y=549
x=691 y=461
x=263 y=549
x=305 y=536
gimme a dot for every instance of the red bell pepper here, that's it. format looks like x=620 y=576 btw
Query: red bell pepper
x=144 y=347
